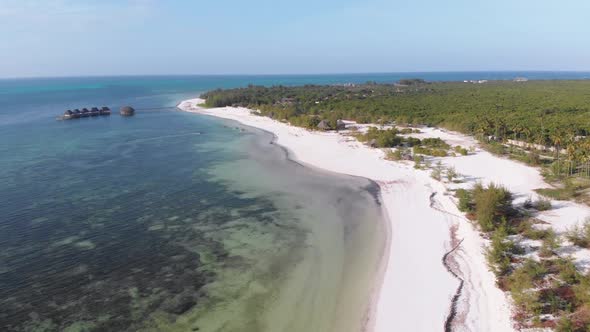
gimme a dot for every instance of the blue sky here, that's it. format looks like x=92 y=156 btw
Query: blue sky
x=83 y=37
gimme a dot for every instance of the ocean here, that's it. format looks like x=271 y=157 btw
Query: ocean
x=170 y=221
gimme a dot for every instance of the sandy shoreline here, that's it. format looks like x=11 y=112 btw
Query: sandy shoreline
x=416 y=289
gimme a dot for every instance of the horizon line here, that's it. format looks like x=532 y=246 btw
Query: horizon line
x=298 y=74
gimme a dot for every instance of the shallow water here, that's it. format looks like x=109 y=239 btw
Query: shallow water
x=170 y=221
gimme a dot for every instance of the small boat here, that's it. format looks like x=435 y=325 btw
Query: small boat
x=94 y=112
x=85 y=113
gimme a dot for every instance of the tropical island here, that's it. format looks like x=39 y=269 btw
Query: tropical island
x=506 y=162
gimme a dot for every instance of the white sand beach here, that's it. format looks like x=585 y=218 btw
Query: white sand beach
x=417 y=289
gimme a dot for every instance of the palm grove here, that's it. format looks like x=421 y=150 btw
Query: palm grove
x=552 y=118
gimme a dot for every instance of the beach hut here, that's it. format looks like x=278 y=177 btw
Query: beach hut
x=324 y=125
x=127 y=111
x=340 y=125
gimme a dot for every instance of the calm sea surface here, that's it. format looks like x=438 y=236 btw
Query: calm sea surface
x=169 y=221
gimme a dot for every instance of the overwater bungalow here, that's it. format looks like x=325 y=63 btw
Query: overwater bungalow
x=127 y=111
x=105 y=111
x=68 y=115
x=94 y=111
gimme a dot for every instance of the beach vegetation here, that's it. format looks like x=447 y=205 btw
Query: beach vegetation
x=394 y=155
x=465 y=200
x=461 y=150
x=542 y=204
x=492 y=205
x=437 y=171
x=580 y=234
x=451 y=174
x=418 y=160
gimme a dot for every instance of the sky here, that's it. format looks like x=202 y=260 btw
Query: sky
x=159 y=37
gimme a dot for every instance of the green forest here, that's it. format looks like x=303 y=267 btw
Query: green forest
x=531 y=111
x=550 y=114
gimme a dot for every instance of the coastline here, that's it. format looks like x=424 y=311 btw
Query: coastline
x=413 y=289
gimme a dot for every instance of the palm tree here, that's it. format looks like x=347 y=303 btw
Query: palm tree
x=557 y=138
x=517 y=130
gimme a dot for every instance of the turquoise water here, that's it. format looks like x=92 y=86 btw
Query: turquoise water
x=169 y=221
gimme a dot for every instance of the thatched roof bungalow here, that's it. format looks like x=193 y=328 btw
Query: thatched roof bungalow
x=127 y=111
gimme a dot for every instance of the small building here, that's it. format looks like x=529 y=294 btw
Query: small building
x=105 y=111
x=68 y=115
x=127 y=111
x=324 y=125
x=340 y=125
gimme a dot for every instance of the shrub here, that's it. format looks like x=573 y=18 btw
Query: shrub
x=429 y=151
x=461 y=150
x=528 y=231
x=582 y=290
x=492 y=205
x=495 y=148
x=451 y=173
x=550 y=243
x=411 y=141
x=465 y=200
x=383 y=138
x=418 y=161
x=522 y=280
x=564 y=325
x=437 y=171
x=567 y=271
x=435 y=143
x=393 y=155
x=542 y=204
x=580 y=235
x=499 y=252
